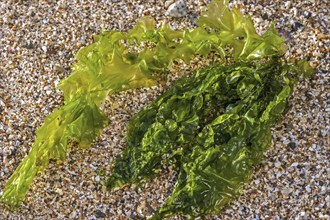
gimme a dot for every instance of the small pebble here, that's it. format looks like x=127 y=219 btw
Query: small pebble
x=278 y=164
x=100 y=214
x=73 y=215
x=294 y=164
x=44 y=48
x=177 y=9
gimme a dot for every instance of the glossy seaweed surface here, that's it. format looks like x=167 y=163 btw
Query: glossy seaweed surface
x=212 y=127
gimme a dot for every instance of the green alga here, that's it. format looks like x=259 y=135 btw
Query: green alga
x=224 y=130
x=211 y=128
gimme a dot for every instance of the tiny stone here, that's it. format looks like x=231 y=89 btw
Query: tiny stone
x=322 y=36
x=59 y=191
x=286 y=191
x=296 y=26
x=287 y=4
x=259 y=20
x=59 y=68
x=97 y=179
x=286 y=141
x=323 y=189
x=27 y=45
x=307 y=14
x=99 y=214
x=48 y=92
x=73 y=215
x=292 y=145
x=294 y=164
x=44 y=48
x=278 y=174
x=177 y=9
x=278 y=164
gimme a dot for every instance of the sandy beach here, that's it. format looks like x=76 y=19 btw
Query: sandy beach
x=38 y=41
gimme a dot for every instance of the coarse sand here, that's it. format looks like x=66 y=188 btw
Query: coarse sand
x=38 y=41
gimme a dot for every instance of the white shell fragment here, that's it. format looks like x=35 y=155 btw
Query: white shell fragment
x=177 y=9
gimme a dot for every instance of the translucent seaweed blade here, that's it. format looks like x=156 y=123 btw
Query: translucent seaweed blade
x=237 y=31
x=81 y=121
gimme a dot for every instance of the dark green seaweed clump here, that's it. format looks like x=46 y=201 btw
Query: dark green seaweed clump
x=212 y=127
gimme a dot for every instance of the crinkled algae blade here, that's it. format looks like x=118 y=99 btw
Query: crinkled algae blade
x=212 y=128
